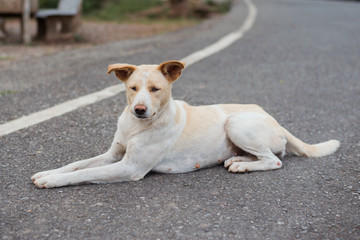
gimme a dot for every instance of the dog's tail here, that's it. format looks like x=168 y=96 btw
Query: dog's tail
x=299 y=148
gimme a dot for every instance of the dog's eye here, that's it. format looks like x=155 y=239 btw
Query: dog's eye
x=154 y=89
x=133 y=88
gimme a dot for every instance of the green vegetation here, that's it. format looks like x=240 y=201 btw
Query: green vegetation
x=119 y=10
x=2 y=58
x=139 y=10
x=108 y=10
x=6 y=92
x=48 y=3
x=220 y=7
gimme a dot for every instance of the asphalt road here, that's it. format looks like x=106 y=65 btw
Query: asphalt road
x=300 y=61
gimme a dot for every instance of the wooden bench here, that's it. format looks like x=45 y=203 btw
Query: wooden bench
x=23 y=9
x=60 y=22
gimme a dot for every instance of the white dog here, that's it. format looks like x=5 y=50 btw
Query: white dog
x=157 y=133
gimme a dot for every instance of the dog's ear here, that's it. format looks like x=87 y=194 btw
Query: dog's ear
x=122 y=70
x=171 y=69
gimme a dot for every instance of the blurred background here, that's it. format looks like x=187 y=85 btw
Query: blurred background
x=37 y=27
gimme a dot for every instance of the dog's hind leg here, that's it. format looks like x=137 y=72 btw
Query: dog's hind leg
x=259 y=135
x=247 y=158
x=266 y=162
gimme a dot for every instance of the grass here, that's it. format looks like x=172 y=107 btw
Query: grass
x=2 y=58
x=6 y=92
x=109 y=10
x=49 y=3
x=220 y=7
x=120 y=10
x=131 y=10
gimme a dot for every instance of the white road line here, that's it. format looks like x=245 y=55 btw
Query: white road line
x=59 y=109
x=83 y=101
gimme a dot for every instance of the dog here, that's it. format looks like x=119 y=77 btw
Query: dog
x=160 y=134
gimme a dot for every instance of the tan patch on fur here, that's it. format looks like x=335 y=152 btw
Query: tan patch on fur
x=178 y=115
x=232 y=108
x=195 y=116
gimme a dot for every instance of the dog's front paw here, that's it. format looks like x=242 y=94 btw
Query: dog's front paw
x=50 y=181
x=40 y=175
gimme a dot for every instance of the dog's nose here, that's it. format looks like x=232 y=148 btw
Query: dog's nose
x=140 y=109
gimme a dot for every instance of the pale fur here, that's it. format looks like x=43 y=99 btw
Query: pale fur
x=174 y=137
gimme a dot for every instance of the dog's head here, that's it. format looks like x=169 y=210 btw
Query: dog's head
x=148 y=87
